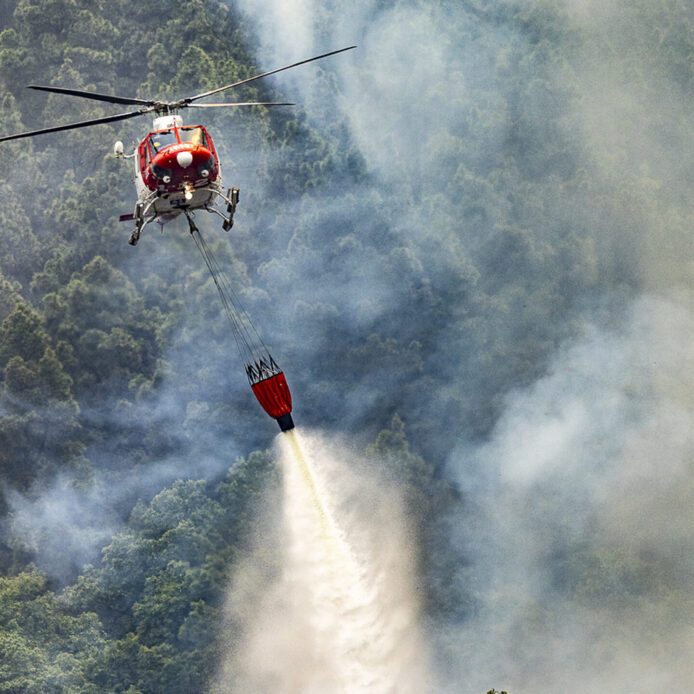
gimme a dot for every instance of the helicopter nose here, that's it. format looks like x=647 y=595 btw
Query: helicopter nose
x=184 y=159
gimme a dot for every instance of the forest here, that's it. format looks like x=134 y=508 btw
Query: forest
x=473 y=227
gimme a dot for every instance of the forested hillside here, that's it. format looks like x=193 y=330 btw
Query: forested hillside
x=463 y=224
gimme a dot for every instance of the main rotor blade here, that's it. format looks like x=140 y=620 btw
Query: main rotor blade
x=242 y=103
x=94 y=95
x=265 y=74
x=81 y=124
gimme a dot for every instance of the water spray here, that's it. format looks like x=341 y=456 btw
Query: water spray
x=340 y=613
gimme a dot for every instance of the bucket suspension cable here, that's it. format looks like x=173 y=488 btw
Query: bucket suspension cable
x=254 y=353
x=225 y=286
x=265 y=377
x=240 y=337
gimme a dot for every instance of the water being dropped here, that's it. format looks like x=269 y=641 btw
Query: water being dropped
x=342 y=614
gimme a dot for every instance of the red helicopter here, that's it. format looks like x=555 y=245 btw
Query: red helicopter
x=177 y=169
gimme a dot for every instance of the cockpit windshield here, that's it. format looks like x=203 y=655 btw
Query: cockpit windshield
x=163 y=139
x=193 y=134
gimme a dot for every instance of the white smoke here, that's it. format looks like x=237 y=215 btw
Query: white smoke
x=63 y=523
x=342 y=614
x=582 y=535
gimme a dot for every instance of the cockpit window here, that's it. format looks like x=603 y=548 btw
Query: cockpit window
x=163 y=139
x=194 y=135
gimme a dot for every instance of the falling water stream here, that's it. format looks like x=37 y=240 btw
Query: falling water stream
x=342 y=616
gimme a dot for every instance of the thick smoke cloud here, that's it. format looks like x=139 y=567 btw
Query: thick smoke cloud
x=581 y=527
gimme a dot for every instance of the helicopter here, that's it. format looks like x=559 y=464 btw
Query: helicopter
x=177 y=169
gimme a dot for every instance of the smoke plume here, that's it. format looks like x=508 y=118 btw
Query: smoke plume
x=581 y=527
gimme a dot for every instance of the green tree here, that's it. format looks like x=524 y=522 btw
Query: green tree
x=22 y=335
x=42 y=647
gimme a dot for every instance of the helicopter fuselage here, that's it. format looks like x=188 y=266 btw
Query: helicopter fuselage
x=177 y=171
x=176 y=168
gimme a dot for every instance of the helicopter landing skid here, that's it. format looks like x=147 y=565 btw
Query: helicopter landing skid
x=142 y=210
x=140 y=221
x=231 y=199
